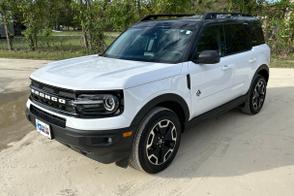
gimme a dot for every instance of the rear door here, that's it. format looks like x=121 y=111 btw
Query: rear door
x=239 y=55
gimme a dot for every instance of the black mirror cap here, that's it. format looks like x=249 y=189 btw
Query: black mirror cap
x=208 y=57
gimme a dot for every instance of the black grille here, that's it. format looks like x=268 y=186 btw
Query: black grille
x=47 y=117
x=60 y=92
x=65 y=94
x=63 y=102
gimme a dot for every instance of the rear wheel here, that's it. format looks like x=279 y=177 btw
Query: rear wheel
x=157 y=141
x=256 y=96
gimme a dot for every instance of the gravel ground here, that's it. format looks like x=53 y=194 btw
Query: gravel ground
x=233 y=154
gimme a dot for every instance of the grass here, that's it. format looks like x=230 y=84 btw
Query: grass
x=66 y=33
x=60 y=45
x=47 y=55
x=282 y=62
x=79 y=33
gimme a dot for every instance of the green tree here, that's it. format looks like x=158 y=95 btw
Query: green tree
x=36 y=19
x=278 y=22
x=171 y=6
x=92 y=21
x=61 y=13
x=244 y=6
x=6 y=12
x=122 y=13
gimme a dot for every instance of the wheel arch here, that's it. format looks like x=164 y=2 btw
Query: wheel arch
x=170 y=101
x=263 y=70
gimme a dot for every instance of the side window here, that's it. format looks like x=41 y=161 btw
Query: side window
x=237 y=38
x=211 y=38
x=256 y=33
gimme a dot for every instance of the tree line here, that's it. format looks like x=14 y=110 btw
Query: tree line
x=95 y=17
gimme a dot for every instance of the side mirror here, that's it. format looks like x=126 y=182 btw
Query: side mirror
x=208 y=57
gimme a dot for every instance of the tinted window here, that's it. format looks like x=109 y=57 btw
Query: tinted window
x=211 y=39
x=257 y=37
x=236 y=38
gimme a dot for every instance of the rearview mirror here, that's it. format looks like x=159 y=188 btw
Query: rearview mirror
x=208 y=57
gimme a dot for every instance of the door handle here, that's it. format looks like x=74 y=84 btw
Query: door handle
x=226 y=67
x=252 y=60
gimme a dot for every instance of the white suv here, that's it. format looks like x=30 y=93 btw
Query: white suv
x=134 y=101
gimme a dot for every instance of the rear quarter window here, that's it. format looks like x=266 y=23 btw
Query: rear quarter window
x=256 y=34
x=237 y=38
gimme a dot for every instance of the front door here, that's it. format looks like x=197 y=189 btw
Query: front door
x=210 y=83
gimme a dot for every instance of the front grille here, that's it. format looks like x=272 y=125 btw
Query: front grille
x=62 y=100
x=64 y=94
x=54 y=90
x=47 y=117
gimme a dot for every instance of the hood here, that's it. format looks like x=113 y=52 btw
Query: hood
x=102 y=73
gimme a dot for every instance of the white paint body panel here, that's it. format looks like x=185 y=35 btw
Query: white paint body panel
x=94 y=72
x=222 y=82
x=144 y=81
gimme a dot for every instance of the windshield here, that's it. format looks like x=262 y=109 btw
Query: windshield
x=153 y=44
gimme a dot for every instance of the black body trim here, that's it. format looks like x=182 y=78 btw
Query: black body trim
x=158 y=100
x=262 y=67
x=48 y=117
x=188 y=81
x=106 y=146
x=217 y=111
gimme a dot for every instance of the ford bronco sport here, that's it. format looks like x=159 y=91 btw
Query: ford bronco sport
x=134 y=101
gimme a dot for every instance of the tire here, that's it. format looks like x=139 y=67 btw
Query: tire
x=256 y=96
x=157 y=141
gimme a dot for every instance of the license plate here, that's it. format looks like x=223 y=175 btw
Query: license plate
x=43 y=128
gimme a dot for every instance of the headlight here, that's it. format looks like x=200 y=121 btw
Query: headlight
x=99 y=104
x=110 y=103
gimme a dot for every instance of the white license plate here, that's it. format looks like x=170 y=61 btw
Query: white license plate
x=43 y=128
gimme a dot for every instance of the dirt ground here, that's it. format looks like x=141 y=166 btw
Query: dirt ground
x=234 y=154
x=14 y=82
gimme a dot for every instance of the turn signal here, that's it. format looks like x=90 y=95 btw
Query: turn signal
x=127 y=134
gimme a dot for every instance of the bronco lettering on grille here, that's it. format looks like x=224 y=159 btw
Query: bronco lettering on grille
x=49 y=97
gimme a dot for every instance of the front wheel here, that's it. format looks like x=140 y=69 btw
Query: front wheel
x=256 y=96
x=157 y=141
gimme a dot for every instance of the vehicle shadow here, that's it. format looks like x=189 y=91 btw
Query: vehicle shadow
x=237 y=144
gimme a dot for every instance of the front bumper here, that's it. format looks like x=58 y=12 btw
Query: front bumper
x=105 y=146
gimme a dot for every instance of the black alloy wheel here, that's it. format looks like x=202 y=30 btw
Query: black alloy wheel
x=157 y=141
x=161 y=142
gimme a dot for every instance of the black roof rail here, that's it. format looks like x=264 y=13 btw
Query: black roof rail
x=214 y=15
x=155 y=16
x=205 y=16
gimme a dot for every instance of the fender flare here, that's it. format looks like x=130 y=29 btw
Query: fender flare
x=157 y=101
x=260 y=68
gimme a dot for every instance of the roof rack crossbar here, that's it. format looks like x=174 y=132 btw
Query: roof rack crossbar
x=155 y=16
x=214 y=15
